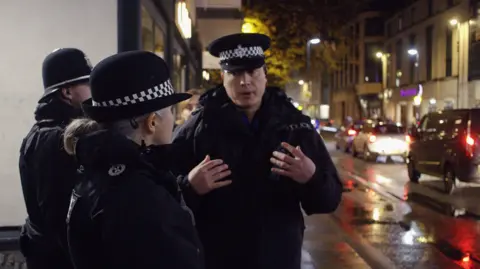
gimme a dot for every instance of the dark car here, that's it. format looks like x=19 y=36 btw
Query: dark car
x=345 y=136
x=445 y=144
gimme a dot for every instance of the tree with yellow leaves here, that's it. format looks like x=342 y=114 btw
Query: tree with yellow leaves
x=291 y=24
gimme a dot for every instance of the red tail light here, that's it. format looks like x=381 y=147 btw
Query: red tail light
x=470 y=141
x=352 y=132
x=372 y=139
x=408 y=139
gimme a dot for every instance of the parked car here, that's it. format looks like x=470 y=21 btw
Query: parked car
x=345 y=135
x=380 y=141
x=446 y=144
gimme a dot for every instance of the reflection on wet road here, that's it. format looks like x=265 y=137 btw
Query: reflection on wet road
x=412 y=225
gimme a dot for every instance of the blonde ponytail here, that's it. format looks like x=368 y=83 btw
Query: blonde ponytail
x=75 y=129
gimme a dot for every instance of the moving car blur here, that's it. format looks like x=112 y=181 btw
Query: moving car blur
x=378 y=141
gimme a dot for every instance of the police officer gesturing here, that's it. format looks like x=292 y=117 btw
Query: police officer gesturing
x=277 y=163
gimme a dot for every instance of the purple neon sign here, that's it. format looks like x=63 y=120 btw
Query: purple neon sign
x=408 y=92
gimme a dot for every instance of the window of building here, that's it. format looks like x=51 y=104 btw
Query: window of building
x=430 y=7
x=399 y=55
x=373 y=67
x=356 y=74
x=412 y=15
x=352 y=74
x=389 y=65
x=429 y=52
x=388 y=29
x=374 y=26
x=450 y=3
x=448 y=53
x=147 y=31
x=400 y=22
x=412 y=60
x=159 y=41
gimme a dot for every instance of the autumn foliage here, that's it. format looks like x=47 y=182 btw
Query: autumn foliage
x=290 y=24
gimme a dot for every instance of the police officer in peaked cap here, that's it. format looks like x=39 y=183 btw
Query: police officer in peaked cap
x=261 y=160
x=47 y=173
x=128 y=211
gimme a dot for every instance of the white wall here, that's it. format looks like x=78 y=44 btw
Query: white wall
x=30 y=29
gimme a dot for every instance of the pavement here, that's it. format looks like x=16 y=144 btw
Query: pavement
x=384 y=221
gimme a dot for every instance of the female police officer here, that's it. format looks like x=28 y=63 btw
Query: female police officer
x=126 y=213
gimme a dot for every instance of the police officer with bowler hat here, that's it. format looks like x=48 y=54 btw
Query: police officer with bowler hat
x=269 y=163
x=47 y=173
x=127 y=211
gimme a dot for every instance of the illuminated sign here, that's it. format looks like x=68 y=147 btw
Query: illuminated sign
x=183 y=19
x=408 y=92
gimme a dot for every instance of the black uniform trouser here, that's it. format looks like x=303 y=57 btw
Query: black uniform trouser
x=42 y=252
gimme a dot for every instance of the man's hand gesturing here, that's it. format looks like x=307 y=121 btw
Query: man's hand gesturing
x=206 y=175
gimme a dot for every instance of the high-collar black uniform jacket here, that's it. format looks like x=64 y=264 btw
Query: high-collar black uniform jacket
x=126 y=212
x=48 y=175
x=256 y=222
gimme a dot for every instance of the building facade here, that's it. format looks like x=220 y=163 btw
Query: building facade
x=357 y=84
x=426 y=57
x=169 y=29
x=216 y=18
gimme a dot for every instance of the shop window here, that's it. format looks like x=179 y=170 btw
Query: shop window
x=177 y=72
x=147 y=31
x=159 y=42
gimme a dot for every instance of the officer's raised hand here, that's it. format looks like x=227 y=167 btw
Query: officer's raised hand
x=206 y=175
x=299 y=167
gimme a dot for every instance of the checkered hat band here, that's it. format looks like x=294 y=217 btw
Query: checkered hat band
x=241 y=52
x=162 y=90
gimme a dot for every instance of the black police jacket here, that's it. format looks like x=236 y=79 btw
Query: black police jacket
x=125 y=213
x=256 y=222
x=48 y=175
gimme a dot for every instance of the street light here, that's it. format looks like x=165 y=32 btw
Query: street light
x=301 y=82
x=383 y=58
x=413 y=52
x=453 y=21
x=311 y=42
x=248 y=27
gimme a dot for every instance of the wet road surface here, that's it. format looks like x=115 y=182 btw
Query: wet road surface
x=411 y=225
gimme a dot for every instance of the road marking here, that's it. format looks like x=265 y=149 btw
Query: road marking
x=372 y=256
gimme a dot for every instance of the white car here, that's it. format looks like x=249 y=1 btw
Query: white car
x=378 y=141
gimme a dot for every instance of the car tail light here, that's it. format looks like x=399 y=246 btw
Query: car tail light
x=470 y=143
x=352 y=132
x=372 y=139
x=408 y=139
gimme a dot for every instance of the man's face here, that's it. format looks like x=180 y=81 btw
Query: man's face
x=78 y=94
x=245 y=88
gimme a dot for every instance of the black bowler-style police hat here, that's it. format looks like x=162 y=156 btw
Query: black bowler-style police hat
x=239 y=52
x=128 y=85
x=64 y=67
